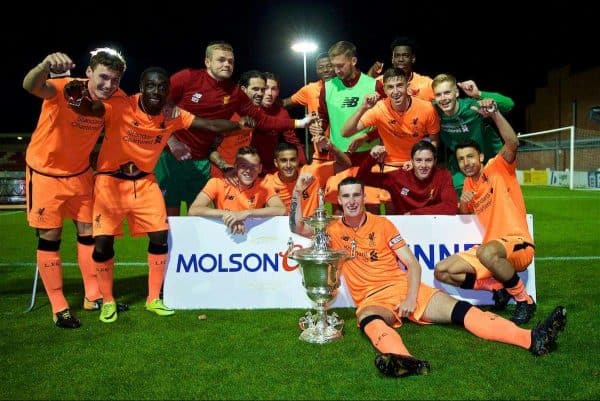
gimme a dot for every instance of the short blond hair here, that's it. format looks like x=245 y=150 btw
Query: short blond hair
x=218 y=45
x=344 y=48
x=441 y=78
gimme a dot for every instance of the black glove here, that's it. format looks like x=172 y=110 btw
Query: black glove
x=80 y=101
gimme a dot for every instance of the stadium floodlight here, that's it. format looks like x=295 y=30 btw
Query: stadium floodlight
x=305 y=46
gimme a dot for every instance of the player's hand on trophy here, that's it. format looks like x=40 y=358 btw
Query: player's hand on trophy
x=179 y=150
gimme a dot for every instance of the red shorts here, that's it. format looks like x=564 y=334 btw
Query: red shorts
x=519 y=253
x=52 y=199
x=139 y=201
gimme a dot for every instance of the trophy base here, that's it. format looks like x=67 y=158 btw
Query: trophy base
x=318 y=336
x=320 y=328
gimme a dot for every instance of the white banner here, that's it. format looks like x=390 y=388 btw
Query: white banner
x=209 y=268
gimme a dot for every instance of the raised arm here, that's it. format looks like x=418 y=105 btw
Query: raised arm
x=353 y=124
x=489 y=108
x=341 y=159
x=375 y=69
x=296 y=220
x=36 y=81
x=506 y=131
x=505 y=104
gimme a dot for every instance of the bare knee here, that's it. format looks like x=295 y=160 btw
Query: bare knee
x=83 y=228
x=487 y=254
x=386 y=315
x=53 y=234
x=441 y=270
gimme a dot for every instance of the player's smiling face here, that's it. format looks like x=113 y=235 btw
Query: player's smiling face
x=423 y=162
x=446 y=95
x=248 y=168
x=154 y=88
x=351 y=198
x=287 y=164
x=470 y=161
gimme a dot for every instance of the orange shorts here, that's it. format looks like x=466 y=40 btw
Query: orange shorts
x=519 y=253
x=373 y=195
x=390 y=295
x=139 y=201
x=52 y=199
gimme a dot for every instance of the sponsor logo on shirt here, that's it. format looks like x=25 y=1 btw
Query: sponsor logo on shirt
x=196 y=97
x=404 y=191
x=350 y=102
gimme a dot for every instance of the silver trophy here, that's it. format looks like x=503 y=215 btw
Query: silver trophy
x=320 y=268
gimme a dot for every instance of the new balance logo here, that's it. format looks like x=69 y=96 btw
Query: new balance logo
x=350 y=102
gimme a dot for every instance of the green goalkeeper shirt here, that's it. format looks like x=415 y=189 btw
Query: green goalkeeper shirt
x=468 y=124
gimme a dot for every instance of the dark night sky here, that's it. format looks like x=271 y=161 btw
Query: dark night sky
x=501 y=46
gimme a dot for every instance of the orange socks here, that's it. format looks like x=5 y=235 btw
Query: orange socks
x=487 y=284
x=88 y=272
x=519 y=292
x=492 y=327
x=157 y=265
x=105 y=272
x=50 y=268
x=385 y=338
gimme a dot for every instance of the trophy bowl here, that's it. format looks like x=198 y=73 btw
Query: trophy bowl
x=321 y=278
x=320 y=268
